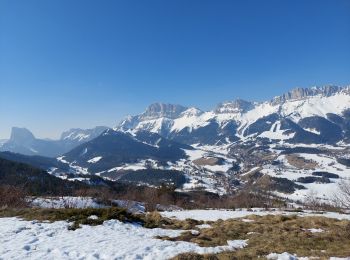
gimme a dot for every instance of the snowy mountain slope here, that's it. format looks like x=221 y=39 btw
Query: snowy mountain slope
x=148 y=158
x=116 y=148
x=79 y=135
x=318 y=171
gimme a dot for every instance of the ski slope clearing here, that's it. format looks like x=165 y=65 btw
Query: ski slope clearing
x=113 y=240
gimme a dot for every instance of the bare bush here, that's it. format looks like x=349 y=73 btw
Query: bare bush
x=75 y=202
x=312 y=201
x=102 y=195
x=12 y=197
x=68 y=202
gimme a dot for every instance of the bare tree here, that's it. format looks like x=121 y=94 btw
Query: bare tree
x=342 y=198
x=312 y=201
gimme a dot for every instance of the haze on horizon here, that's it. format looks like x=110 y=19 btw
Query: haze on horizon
x=66 y=64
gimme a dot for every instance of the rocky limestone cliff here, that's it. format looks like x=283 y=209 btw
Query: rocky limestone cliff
x=158 y=110
x=235 y=106
x=300 y=93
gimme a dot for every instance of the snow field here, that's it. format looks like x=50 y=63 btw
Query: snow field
x=113 y=240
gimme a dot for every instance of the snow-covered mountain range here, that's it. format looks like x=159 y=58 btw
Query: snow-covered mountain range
x=294 y=144
x=301 y=115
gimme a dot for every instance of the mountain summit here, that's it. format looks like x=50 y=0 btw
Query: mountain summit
x=158 y=110
x=21 y=135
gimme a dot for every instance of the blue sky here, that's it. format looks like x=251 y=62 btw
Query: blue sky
x=83 y=63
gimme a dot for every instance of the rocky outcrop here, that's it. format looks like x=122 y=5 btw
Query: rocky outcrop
x=158 y=110
x=236 y=106
x=300 y=93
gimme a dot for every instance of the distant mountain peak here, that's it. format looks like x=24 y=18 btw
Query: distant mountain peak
x=158 y=110
x=192 y=111
x=21 y=135
x=82 y=134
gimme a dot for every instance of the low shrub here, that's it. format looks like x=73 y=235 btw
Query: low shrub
x=12 y=197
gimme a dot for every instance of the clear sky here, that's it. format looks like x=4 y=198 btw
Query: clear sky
x=81 y=63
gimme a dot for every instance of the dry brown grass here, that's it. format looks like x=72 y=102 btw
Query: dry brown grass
x=275 y=234
x=76 y=217
x=154 y=219
x=206 y=161
x=300 y=162
x=81 y=217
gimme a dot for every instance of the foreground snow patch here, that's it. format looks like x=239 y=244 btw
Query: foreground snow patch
x=113 y=240
x=315 y=230
x=285 y=256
